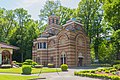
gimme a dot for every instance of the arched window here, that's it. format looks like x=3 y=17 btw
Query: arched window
x=56 y=21
x=44 y=45
x=40 y=44
x=53 y=20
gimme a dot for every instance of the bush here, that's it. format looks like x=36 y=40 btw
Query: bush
x=34 y=63
x=26 y=69
x=19 y=64
x=64 y=67
x=101 y=65
x=117 y=66
x=29 y=61
x=107 y=71
x=38 y=66
x=25 y=63
x=116 y=62
x=104 y=76
x=113 y=70
x=50 y=65
x=92 y=71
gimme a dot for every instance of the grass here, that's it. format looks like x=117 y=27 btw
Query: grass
x=15 y=77
x=34 y=70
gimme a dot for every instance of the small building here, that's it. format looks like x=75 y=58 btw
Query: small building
x=6 y=52
x=66 y=44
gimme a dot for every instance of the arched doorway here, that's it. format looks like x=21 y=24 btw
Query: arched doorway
x=63 y=58
x=6 y=57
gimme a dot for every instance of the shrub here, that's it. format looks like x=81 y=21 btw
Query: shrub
x=113 y=70
x=64 y=67
x=101 y=65
x=92 y=71
x=25 y=63
x=29 y=61
x=86 y=71
x=107 y=71
x=50 y=65
x=117 y=66
x=26 y=69
x=116 y=62
x=106 y=77
x=99 y=70
x=38 y=66
x=19 y=64
x=34 y=63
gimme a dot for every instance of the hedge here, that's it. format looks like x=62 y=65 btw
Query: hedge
x=97 y=75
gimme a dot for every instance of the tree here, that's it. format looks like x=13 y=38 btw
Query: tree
x=7 y=24
x=112 y=13
x=26 y=31
x=90 y=13
x=116 y=43
x=50 y=8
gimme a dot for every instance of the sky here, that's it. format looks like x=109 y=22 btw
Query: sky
x=33 y=6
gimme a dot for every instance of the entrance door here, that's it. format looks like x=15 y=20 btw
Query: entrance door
x=80 y=61
x=63 y=60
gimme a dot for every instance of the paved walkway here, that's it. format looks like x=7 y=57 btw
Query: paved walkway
x=65 y=76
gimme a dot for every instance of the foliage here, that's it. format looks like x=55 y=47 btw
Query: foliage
x=34 y=63
x=30 y=62
x=116 y=62
x=26 y=69
x=116 y=42
x=97 y=76
x=111 y=13
x=19 y=64
x=117 y=66
x=64 y=67
x=101 y=65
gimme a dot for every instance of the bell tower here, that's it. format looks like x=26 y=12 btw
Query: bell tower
x=53 y=20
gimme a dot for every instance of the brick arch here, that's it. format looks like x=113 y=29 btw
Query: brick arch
x=65 y=35
x=83 y=38
x=63 y=38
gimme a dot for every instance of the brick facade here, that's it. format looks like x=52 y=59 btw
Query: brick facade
x=62 y=44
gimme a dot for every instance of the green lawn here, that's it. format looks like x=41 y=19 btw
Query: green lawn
x=15 y=77
x=34 y=70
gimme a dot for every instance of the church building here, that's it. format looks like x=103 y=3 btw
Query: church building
x=66 y=44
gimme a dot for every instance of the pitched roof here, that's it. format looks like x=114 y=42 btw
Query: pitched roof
x=4 y=45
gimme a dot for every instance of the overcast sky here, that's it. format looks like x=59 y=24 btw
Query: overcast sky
x=33 y=6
